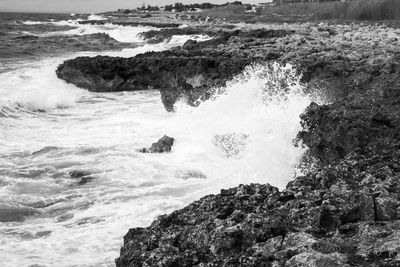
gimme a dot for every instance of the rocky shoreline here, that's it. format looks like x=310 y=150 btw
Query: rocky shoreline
x=344 y=212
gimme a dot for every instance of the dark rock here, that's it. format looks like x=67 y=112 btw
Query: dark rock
x=173 y=74
x=85 y=180
x=79 y=173
x=190 y=72
x=163 y=145
x=189 y=44
x=83 y=176
x=147 y=15
x=344 y=212
x=158 y=36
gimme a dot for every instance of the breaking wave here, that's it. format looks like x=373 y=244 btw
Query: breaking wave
x=251 y=122
x=50 y=129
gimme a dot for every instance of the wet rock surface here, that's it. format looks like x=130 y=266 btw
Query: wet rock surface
x=158 y=36
x=328 y=56
x=345 y=211
x=163 y=145
x=174 y=73
x=84 y=176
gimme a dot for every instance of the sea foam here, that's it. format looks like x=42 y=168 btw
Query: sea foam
x=254 y=118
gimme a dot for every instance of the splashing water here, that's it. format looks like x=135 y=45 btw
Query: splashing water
x=124 y=34
x=96 y=17
x=49 y=128
x=258 y=116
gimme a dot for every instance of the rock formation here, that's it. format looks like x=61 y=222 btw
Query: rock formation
x=163 y=145
x=345 y=211
x=189 y=72
x=326 y=59
x=175 y=75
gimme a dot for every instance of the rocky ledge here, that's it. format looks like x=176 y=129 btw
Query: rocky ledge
x=345 y=211
x=191 y=71
x=348 y=57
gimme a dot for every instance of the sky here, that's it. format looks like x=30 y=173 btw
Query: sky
x=92 y=6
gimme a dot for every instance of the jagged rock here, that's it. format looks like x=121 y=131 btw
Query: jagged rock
x=163 y=145
x=83 y=176
x=158 y=36
x=329 y=218
x=169 y=72
x=344 y=212
x=331 y=66
x=79 y=173
x=189 y=44
x=85 y=180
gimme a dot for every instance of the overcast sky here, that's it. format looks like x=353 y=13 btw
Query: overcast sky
x=89 y=6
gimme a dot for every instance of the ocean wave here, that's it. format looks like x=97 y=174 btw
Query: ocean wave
x=252 y=121
x=124 y=34
x=96 y=17
x=29 y=22
x=36 y=88
x=243 y=134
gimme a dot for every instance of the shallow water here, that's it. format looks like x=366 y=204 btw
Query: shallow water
x=49 y=128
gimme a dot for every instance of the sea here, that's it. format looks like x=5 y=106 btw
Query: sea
x=50 y=129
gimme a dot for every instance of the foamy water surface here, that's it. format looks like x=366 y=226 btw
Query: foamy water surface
x=49 y=128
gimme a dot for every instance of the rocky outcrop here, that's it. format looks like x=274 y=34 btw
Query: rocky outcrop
x=174 y=74
x=332 y=64
x=345 y=211
x=163 y=145
x=84 y=176
x=157 y=36
x=345 y=215
x=191 y=73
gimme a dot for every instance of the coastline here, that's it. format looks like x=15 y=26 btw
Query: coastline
x=344 y=212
